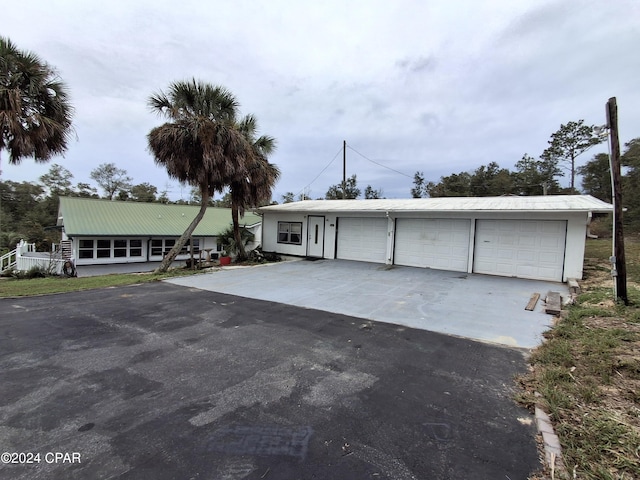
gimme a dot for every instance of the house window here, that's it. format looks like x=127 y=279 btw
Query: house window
x=85 y=249
x=109 y=248
x=290 y=232
x=135 y=248
x=162 y=246
x=168 y=245
x=156 y=247
x=104 y=249
x=119 y=248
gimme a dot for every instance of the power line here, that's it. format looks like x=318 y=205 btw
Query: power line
x=321 y=172
x=379 y=164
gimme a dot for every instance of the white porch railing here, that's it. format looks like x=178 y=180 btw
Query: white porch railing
x=49 y=263
x=25 y=257
x=8 y=260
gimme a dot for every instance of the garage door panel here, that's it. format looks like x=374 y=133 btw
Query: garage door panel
x=362 y=239
x=433 y=243
x=520 y=248
x=553 y=227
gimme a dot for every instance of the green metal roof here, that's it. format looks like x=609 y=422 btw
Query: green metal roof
x=93 y=217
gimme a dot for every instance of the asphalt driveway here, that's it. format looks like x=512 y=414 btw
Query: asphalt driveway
x=481 y=307
x=159 y=381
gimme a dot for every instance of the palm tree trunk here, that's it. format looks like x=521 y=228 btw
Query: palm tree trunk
x=173 y=253
x=242 y=255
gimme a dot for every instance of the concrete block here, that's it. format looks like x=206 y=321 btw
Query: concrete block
x=574 y=287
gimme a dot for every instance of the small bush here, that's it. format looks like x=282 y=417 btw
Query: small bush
x=258 y=256
x=37 y=271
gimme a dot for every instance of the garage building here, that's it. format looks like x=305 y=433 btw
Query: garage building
x=537 y=237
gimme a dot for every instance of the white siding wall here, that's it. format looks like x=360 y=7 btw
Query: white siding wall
x=576 y=239
x=270 y=234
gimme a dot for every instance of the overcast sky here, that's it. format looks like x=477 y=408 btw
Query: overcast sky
x=440 y=86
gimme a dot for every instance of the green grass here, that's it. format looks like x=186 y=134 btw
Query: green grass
x=12 y=287
x=609 y=451
x=600 y=249
x=585 y=373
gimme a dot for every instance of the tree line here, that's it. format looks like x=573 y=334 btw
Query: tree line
x=541 y=176
x=347 y=190
x=531 y=177
x=29 y=210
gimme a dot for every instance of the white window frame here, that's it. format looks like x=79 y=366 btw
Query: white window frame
x=288 y=229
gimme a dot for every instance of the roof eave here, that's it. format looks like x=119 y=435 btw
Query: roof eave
x=391 y=210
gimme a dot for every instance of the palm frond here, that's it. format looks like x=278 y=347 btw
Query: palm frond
x=35 y=112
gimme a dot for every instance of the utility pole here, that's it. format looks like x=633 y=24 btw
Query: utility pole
x=344 y=169
x=620 y=271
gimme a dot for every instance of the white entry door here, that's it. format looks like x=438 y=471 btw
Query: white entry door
x=315 y=236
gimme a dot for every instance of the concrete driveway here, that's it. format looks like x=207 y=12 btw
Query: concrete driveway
x=158 y=381
x=481 y=307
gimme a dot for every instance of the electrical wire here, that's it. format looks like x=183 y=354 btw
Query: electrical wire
x=379 y=164
x=321 y=172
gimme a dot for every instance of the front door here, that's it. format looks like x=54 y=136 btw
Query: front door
x=315 y=236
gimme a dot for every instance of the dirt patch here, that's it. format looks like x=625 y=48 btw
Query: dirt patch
x=595 y=273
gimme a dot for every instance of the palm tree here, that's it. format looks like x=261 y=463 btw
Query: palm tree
x=254 y=188
x=35 y=113
x=200 y=144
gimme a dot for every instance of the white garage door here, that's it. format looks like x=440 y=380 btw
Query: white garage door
x=521 y=248
x=435 y=243
x=363 y=239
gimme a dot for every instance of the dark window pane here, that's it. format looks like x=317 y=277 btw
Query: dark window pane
x=135 y=252
x=290 y=232
x=104 y=243
x=103 y=253
x=156 y=251
x=119 y=252
x=86 y=243
x=85 y=254
x=135 y=243
x=119 y=244
x=156 y=243
x=169 y=243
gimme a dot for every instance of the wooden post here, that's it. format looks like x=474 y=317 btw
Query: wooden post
x=618 y=237
x=344 y=169
x=193 y=266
